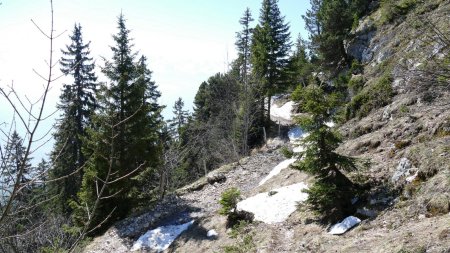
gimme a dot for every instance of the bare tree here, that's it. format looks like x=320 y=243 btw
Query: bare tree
x=27 y=224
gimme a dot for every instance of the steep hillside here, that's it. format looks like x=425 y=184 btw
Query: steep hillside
x=397 y=125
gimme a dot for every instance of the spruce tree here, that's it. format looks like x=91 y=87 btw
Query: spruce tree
x=247 y=94
x=332 y=192
x=125 y=142
x=13 y=159
x=270 y=48
x=299 y=68
x=329 y=23
x=77 y=104
x=180 y=117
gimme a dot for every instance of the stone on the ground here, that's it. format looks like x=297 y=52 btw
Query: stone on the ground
x=214 y=177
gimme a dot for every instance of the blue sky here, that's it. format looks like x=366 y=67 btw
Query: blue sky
x=185 y=41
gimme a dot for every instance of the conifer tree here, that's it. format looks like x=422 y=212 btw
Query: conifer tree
x=13 y=156
x=77 y=104
x=329 y=23
x=332 y=192
x=179 y=119
x=299 y=68
x=125 y=142
x=247 y=94
x=270 y=48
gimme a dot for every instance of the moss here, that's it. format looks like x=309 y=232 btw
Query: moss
x=372 y=97
x=394 y=9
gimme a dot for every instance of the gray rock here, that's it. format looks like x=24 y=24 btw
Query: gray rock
x=214 y=177
x=403 y=170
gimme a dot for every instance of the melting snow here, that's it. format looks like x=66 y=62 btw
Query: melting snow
x=345 y=225
x=212 y=233
x=283 y=113
x=277 y=169
x=159 y=239
x=277 y=207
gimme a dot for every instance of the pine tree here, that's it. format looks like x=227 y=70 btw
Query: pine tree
x=179 y=119
x=299 y=68
x=332 y=192
x=329 y=23
x=77 y=103
x=243 y=44
x=247 y=97
x=125 y=142
x=270 y=48
x=13 y=159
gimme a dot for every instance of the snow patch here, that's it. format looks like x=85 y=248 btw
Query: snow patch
x=159 y=239
x=344 y=226
x=275 y=208
x=330 y=124
x=283 y=113
x=212 y=233
x=277 y=169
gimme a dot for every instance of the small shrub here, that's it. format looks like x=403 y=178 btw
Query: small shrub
x=356 y=67
x=373 y=97
x=403 y=110
x=356 y=84
x=392 y=10
x=245 y=242
x=438 y=205
x=229 y=200
x=286 y=152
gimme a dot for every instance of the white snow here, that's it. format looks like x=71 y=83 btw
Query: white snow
x=283 y=113
x=330 y=124
x=159 y=239
x=345 y=225
x=212 y=233
x=276 y=207
x=277 y=169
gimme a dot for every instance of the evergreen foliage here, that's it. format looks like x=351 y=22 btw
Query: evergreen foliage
x=270 y=48
x=228 y=201
x=246 y=117
x=179 y=119
x=299 y=68
x=332 y=192
x=13 y=159
x=125 y=143
x=329 y=23
x=77 y=103
x=210 y=135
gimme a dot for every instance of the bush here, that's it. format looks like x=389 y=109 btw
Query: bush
x=229 y=200
x=393 y=9
x=244 y=243
x=286 y=152
x=373 y=97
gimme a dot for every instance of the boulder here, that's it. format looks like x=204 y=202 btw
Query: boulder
x=404 y=170
x=214 y=177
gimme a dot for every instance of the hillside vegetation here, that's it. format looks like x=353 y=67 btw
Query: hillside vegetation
x=362 y=134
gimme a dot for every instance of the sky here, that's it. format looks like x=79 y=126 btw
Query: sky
x=185 y=42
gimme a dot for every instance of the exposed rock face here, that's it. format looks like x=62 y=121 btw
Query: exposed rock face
x=359 y=46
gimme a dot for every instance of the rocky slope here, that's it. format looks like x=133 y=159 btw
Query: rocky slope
x=403 y=144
